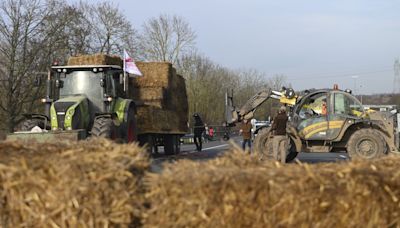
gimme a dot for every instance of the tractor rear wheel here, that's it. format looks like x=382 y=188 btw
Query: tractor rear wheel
x=104 y=127
x=131 y=128
x=28 y=124
x=366 y=144
x=263 y=144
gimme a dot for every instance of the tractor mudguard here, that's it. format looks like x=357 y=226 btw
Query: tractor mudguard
x=121 y=108
x=36 y=116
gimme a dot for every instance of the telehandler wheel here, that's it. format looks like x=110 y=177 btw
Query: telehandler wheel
x=366 y=144
x=292 y=152
x=104 y=127
x=28 y=124
x=263 y=144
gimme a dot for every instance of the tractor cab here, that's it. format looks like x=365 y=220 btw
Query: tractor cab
x=321 y=115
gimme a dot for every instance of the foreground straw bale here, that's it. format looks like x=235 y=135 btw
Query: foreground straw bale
x=238 y=191
x=85 y=184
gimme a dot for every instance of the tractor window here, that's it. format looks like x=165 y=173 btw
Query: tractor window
x=347 y=105
x=119 y=88
x=110 y=86
x=314 y=106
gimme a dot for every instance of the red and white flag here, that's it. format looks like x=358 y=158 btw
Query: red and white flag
x=130 y=66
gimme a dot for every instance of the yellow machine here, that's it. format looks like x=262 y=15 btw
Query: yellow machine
x=344 y=125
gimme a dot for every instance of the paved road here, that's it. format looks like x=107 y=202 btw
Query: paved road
x=215 y=148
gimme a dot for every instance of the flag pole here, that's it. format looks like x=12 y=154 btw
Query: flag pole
x=123 y=60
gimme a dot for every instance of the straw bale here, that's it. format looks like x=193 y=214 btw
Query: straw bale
x=151 y=119
x=155 y=74
x=238 y=191
x=143 y=94
x=177 y=94
x=96 y=59
x=85 y=184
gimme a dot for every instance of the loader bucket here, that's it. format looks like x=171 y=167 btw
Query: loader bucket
x=53 y=136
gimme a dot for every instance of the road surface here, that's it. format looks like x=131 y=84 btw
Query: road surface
x=212 y=149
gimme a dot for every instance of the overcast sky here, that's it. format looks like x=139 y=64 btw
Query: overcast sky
x=315 y=43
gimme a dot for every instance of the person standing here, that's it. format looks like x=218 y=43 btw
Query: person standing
x=211 y=133
x=198 y=131
x=279 y=141
x=245 y=131
x=206 y=133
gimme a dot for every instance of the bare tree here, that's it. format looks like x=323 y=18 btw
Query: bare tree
x=112 y=31
x=167 y=38
x=27 y=29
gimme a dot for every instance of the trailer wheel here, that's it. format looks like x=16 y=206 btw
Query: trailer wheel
x=366 y=144
x=177 y=144
x=28 y=124
x=169 y=144
x=263 y=144
x=104 y=127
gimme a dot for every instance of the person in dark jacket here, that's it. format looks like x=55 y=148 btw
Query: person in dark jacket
x=280 y=140
x=198 y=131
x=245 y=131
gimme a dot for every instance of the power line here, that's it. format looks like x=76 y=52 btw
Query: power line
x=341 y=75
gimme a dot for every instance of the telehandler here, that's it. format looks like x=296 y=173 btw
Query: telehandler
x=346 y=125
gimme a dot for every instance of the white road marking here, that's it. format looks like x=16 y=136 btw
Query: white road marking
x=213 y=147
x=208 y=148
x=192 y=152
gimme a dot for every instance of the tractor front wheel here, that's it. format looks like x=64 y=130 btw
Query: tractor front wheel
x=28 y=124
x=104 y=127
x=366 y=144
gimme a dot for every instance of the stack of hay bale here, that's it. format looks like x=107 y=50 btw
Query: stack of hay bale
x=162 y=94
x=85 y=184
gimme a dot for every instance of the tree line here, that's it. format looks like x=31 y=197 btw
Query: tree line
x=34 y=33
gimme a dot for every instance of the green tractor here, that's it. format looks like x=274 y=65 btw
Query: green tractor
x=83 y=100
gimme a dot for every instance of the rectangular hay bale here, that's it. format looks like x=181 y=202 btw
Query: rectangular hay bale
x=81 y=184
x=96 y=59
x=155 y=120
x=155 y=74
